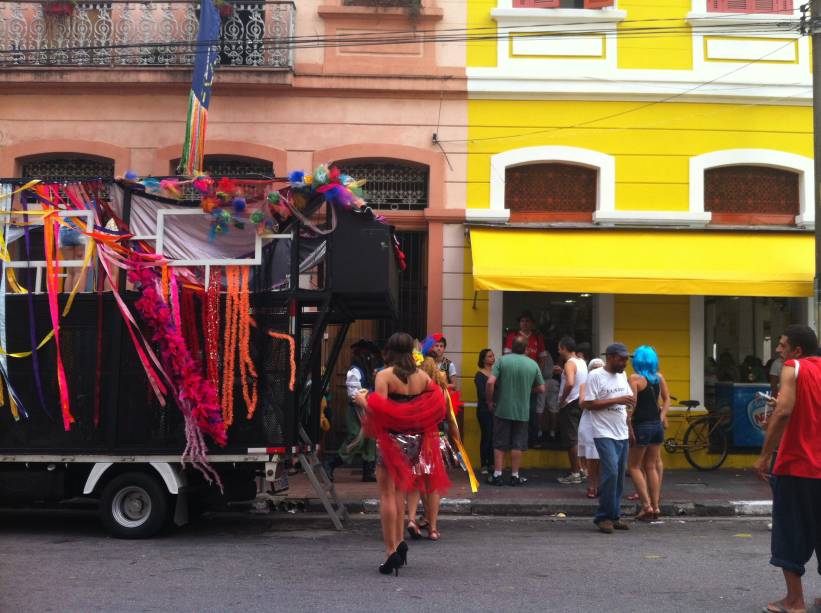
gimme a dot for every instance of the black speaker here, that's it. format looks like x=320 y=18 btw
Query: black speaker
x=364 y=272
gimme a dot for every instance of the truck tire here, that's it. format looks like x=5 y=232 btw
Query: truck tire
x=134 y=506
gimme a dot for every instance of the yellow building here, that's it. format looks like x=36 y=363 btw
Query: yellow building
x=642 y=173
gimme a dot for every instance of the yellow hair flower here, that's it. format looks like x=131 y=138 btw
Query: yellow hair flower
x=418 y=357
x=308 y=179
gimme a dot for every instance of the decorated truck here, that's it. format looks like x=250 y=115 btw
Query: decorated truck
x=161 y=339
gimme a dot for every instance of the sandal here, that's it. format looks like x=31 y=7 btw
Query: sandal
x=777 y=607
x=414 y=531
x=592 y=492
x=633 y=496
x=645 y=515
x=423 y=523
x=433 y=535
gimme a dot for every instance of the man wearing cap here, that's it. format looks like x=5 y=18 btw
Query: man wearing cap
x=359 y=377
x=608 y=397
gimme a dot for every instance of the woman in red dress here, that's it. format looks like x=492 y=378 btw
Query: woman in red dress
x=403 y=415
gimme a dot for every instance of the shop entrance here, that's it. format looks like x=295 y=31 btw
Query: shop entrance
x=740 y=338
x=554 y=315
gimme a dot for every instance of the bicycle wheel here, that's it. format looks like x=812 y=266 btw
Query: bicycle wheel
x=705 y=444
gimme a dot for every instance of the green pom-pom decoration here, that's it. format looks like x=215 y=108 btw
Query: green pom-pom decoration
x=273 y=197
x=257 y=217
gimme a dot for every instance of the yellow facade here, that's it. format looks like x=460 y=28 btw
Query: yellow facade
x=651 y=138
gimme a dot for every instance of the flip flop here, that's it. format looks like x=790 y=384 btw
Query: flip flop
x=779 y=608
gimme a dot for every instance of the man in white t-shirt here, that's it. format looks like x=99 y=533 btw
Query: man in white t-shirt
x=608 y=397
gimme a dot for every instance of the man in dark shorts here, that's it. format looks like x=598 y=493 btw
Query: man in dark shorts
x=795 y=428
x=574 y=376
x=519 y=377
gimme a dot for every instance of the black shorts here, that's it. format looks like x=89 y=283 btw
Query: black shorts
x=509 y=434
x=796 y=522
x=569 y=416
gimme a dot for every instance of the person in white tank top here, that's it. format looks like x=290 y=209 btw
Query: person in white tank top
x=573 y=376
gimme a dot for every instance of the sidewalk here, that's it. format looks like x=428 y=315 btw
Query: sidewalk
x=722 y=493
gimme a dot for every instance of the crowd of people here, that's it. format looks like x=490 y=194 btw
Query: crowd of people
x=401 y=422
x=606 y=419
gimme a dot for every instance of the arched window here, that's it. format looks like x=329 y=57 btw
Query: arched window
x=391 y=185
x=551 y=187
x=67 y=166
x=751 y=194
x=233 y=166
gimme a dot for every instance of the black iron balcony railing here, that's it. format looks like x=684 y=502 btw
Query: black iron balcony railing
x=124 y=33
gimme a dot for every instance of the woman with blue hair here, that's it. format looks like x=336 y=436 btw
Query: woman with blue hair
x=646 y=426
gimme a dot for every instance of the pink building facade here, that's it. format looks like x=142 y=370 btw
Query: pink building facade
x=104 y=90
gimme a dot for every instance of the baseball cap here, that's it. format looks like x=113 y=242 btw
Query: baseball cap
x=619 y=349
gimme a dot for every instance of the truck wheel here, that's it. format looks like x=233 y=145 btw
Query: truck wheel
x=134 y=506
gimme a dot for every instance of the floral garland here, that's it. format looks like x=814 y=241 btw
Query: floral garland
x=196 y=397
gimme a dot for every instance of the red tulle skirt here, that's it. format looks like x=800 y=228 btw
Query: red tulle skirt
x=421 y=416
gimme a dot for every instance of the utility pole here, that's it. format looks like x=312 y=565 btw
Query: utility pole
x=815 y=31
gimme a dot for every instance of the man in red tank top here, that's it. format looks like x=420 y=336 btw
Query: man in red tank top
x=795 y=429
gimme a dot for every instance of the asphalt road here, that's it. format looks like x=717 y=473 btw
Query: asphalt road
x=65 y=563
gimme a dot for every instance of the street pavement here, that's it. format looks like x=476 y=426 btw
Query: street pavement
x=63 y=562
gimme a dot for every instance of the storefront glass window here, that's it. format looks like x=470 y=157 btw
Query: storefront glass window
x=741 y=335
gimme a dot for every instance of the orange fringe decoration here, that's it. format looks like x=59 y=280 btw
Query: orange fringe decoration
x=292 y=349
x=237 y=338
x=246 y=364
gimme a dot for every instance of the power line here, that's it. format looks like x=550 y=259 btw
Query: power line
x=625 y=112
x=454 y=35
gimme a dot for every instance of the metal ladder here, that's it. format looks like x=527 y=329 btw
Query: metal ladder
x=323 y=486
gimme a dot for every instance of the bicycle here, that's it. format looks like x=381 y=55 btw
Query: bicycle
x=705 y=442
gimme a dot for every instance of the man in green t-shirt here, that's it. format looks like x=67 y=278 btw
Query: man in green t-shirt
x=518 y=377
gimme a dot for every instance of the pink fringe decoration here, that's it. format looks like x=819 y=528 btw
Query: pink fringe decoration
x=195 y=395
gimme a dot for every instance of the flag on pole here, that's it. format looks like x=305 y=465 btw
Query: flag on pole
x=207 y=54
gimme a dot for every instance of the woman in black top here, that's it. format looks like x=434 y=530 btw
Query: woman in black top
x=483 y=414
x=647 y=423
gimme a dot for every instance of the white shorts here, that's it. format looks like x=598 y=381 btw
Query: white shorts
x=540 y=403
x=552 y=396
x=587 y=446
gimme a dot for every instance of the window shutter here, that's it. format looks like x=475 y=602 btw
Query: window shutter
x=764 y=6
x=749 y=6
x=597 y=4
x=536 y=4
x=717 y=6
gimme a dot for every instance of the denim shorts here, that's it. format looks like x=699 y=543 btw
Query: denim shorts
x=648 y=433
x=796 y=522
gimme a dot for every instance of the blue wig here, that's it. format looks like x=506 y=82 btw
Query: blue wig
x=646 y=363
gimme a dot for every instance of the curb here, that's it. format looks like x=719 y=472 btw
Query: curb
x=566 y=508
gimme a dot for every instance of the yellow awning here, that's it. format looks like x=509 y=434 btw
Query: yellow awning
x=643 y=261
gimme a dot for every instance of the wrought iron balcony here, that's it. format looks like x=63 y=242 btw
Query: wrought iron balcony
x=127 y=34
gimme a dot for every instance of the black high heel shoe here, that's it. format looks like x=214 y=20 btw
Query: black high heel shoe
x=402 y=552
x=391 y=565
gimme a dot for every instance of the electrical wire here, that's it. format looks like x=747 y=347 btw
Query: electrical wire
x=620 y=113
x=451 y=35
